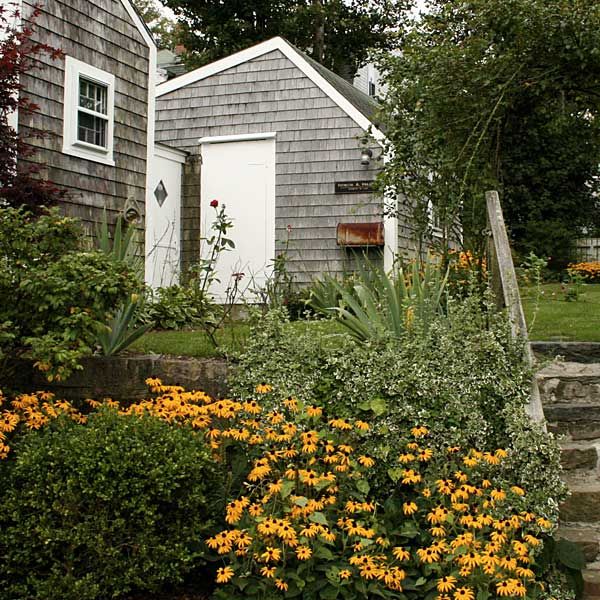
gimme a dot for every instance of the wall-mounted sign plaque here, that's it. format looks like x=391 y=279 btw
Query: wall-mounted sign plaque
x=353 y=187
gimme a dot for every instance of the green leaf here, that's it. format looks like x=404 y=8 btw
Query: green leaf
x=362 y=485
x=395 y=473
x=319 y=517
x=329 y=592
x=323 y=552
x=287 y=487
x=409 y=529
x=378 y=406
x=570 y=555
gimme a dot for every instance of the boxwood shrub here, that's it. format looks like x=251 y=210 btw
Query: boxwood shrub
x=97 y=511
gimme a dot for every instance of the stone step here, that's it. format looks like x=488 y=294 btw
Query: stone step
x=566 y=382
x=586 y=536
x=591 y=581
x=580 y=421
x=582 y=352
x=579 y=455
x=583 y=505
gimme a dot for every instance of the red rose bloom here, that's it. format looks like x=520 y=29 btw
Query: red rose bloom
x=214 y=203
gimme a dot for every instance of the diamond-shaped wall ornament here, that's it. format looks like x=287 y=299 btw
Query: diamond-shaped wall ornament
x=160 y=193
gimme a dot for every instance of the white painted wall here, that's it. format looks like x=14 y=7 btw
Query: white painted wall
x=239 y=172
x=13 y=117
x=369 y=74
x=163 y=223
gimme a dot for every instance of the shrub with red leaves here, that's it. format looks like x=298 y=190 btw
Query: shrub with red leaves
x=20 y=181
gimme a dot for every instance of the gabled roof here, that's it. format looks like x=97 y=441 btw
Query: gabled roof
x=356 y=104
x=366 y=104
x=139 y=23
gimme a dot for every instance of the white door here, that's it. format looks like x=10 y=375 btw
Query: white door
x=163 y=209
x=240 y=175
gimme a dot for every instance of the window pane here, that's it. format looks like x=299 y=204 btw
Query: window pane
x=92 y=95
x=91 y=129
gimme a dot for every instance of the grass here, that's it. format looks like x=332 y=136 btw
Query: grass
x=559 y=320
x=554 y=319
x=231 y=339
x=192 y=342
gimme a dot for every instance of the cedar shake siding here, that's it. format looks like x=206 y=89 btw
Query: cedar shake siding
x=317 y=144
x=103 y=35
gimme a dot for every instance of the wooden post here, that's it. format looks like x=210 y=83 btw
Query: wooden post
x=504 y=283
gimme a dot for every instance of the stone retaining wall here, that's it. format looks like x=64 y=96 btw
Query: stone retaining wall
x=122 y=377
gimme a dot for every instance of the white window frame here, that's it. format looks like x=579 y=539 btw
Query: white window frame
x=74 y=70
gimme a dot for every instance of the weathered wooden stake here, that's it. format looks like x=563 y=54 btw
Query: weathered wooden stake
x=504 y=284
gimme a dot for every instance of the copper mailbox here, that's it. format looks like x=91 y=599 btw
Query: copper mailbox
x=360 y=234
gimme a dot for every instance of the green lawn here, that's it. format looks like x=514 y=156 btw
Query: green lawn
x=555 y=319
x=558 y=320
x=231 y=338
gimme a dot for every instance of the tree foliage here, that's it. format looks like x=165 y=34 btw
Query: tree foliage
x=337 y=33
x=499 y=95
x=20 y=181
x=163 y=28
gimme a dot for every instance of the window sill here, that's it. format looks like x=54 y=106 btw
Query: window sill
x=88 y=152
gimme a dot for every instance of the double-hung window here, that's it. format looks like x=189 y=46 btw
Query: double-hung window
x=88 y=112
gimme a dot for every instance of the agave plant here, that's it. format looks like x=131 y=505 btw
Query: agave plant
x=122 y=330
x=121 y=245
x=324 y=295
x=378 y=305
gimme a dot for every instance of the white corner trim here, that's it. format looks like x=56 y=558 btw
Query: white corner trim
x=390 y=229
x=135 y=17
x=297 y=59
x=13 y=117
x=241 y=137
x=150 y=149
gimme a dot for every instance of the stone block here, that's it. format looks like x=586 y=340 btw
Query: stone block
x=583 y=506
x=572 y=413
x=586 y=538
x=579 y=458
x=591 y=587
x=573 y=390
x=584 y=431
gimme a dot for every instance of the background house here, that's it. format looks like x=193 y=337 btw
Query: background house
x=97 y=102
x=281 y=141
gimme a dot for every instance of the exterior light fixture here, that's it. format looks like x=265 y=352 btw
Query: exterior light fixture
x=365 y=157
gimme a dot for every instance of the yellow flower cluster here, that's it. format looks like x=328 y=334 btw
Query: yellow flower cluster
x=476 y=532
x=306 y=502
x=30 y=412
x=589 y=270
x=302 y=497
x=466 y=260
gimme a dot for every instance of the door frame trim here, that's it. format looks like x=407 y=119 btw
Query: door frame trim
x=237 y=137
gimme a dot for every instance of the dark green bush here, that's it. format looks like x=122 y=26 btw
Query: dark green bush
x=97 y=511
x=55 y=293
